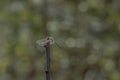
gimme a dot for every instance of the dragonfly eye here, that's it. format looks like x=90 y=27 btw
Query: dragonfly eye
x=51 y=39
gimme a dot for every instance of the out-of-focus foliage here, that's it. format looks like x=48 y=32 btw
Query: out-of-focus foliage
x=88 y=32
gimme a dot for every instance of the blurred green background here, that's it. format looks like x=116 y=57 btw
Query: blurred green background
x=88 y=32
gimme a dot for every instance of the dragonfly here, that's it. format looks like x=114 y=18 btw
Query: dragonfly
x=43 y=42
x=49 y=39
